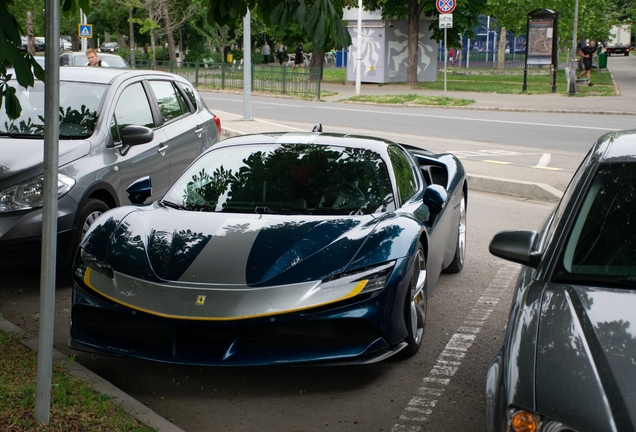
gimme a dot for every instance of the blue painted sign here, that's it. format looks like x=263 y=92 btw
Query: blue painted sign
x=85 y=30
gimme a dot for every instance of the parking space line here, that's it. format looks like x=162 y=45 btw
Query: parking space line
x=497 y=162
x=421 y=406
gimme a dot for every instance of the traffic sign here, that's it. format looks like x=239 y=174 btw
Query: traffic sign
x=445 y=6
x=446 y=20
x=85 y=30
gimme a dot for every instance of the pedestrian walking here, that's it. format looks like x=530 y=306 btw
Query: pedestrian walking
x=299 y=59
x=93 y=59
x=266 y=52
x=280 y=52
x=587 y=55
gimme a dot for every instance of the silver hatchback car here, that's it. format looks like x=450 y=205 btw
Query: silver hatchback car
x=116 y=126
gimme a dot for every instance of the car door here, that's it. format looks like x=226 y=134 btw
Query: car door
x=133 y=107
x=185 y=133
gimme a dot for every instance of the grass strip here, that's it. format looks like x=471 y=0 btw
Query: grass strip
x=75 y=406
x=411 y=99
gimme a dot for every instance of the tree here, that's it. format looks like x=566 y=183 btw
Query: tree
x=594 y=18
x=322 y=19
x=464 y=19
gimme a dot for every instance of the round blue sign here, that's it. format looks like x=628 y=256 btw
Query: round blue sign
x=445 y=6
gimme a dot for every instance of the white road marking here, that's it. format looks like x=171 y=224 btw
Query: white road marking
x=420 y=407
x=443 y=117
x=545 y=160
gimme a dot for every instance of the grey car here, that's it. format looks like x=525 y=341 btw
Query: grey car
x=78 y=58
x=116 y=126
x=568 y=361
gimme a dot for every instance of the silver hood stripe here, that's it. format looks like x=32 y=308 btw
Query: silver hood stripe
x=216 y=302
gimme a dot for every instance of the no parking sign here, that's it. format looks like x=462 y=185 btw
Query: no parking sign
x=445 y=6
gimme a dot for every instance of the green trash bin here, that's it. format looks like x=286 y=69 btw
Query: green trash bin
x=602 y=60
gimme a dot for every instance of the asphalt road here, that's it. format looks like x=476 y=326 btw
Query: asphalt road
x=551 y=132
x=463 y=333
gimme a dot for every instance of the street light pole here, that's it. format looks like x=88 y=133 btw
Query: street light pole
x=572 y=87
x=359 y=49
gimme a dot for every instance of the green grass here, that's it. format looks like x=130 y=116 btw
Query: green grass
x=411 y=99
x=75 y=406
x=334 y=75
x=513 y=83
x=493 y=81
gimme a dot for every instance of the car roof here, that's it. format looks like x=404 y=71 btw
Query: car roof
x=617 y=146
x=108 y=75
x=316 y=138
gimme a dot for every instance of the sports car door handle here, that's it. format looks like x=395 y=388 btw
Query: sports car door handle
x=162 y=149
x=198 y=131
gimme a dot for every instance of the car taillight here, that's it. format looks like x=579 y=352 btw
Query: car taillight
x=218 y=123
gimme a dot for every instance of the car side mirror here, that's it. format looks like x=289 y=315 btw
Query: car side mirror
x=135 y=134
x=435 y=197
x=139 y=190
x=516 y=246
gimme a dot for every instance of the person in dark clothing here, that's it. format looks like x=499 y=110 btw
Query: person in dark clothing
x=280 y=53
x=300 y=58
x=587 y=54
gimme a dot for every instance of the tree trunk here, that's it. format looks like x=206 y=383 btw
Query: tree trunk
x=131 y=39
x=30 y=36
x=106 y=36
x=413 y=39
x=168 y=30
x=501 y=52
x=153 y=58
x=317 y=61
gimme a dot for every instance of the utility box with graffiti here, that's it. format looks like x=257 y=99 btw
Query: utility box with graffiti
x=384 y=49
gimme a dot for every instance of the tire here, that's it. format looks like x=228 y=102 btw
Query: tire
x=415 y=305
x=91 y=210
x=460 y=246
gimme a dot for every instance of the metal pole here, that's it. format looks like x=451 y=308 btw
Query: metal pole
x=247 y=68
x=83 y=21
x=49 y=213
x=572 y=86
x=445 y=59
x=468 y=54
x=359 y=49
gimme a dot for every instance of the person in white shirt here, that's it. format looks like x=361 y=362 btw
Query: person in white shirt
x=93 y=60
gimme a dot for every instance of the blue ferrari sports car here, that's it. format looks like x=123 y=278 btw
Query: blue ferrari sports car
x=282 y=248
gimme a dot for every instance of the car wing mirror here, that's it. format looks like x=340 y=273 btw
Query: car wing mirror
x=140 y=190
x=135 y=134
x=435 y=197
x=516 y=246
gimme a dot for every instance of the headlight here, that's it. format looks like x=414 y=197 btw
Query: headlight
x=30 y=194
x=375 y=278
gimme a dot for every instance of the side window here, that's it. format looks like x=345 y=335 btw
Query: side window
x=171 y=103
x=404 y=173
x=132 y=109
x=64 y=60
x=189 y=91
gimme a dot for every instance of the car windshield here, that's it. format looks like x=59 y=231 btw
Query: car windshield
x=285 y=179
x=79 y=107
x=602 y=243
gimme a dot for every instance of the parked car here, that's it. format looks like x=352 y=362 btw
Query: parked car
x=289 y=248
x=78 y=58
x=115 y=126
x=40 y=43
x=109 y=47
x=567 y=361
x=65 y=45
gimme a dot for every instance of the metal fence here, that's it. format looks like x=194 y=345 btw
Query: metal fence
x=268 y=79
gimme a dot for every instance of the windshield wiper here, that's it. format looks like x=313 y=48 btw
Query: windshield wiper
x=171 y=204
x=21 y=135
x=279 y=210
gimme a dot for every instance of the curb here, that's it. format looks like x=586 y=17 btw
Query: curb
x=501 y=186
x=517 y=188
x=130 y=405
